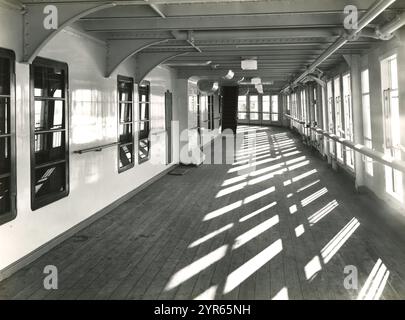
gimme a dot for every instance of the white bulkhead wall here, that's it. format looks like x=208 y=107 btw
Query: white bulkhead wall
x=94 y=179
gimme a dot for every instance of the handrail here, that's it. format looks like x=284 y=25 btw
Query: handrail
x=294 y=119
x=375 y=155
x=155 y=133
x=96 y=149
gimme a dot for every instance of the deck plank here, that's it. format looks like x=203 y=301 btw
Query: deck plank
x=134 y=251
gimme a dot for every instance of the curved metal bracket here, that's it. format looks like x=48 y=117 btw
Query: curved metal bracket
x=146 y=61
x=36 y=35
x=317 y=80
x=120 y=50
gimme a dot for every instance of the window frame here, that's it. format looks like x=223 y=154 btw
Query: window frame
x=266 y=104
x=37 y=203
x=393 y=177
x=139 y=121
x=246 y=112
x=12 y=214
x=274 y=115
x=250 y=112
x=121 y=78
x=348 y=124
x=367 y=127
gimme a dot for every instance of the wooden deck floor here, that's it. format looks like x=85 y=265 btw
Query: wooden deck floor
x=286 y=228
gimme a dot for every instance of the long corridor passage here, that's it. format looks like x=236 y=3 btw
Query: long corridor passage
x=278 y=223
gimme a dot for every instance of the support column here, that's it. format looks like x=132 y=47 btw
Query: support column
x=357 y=118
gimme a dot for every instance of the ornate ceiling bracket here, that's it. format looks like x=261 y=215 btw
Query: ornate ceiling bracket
x=146 y=61
x=120 y=50
x=42 y=21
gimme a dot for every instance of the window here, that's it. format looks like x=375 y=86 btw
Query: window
x=7 y=137
x=288 y=102
x=294 y=108
x=254 y=108
x=392 y=143
x=211 y=124
x=49 y=132
x=314 y=111
x=331 y=123
x=125 y=123
x=338 y=117
x=315 y=104
x=242 y=108
x=303 y=108
x=144 y=123
x=204 y=112
x=294 y=104
x=348 y=121
x=266 y=108
x=274 y=108
x=365 y=91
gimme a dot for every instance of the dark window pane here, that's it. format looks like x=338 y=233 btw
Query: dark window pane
x=4 y=115
x=144 y=130
x=49 y=114
x=126 y=153
x=143 y=149
x=126 y=133
x=49 y=82
x=144 y=125
x=125 y=89
x=125 y=112
x=5 y=155
x=50 y=180
x=5 y=76
x=49 y=147
x=5 y=203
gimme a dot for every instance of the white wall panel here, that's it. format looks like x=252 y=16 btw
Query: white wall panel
x=94 y=178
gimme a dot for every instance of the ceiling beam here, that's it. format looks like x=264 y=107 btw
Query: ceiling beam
x=258 y=21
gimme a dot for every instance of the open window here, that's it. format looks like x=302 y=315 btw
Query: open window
x=7 y=137
x=125 y=123
x=392 y=143
x=144 y=122
x=49 y=132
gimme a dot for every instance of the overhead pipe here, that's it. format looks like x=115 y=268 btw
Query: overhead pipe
x=386 y=32
x=375 y=10
x=12 y=5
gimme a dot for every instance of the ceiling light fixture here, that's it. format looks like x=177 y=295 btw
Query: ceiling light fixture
x=256 y=80
x=259 y=88
x=249 y=64
x=229 y=75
